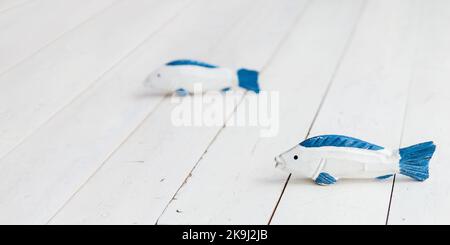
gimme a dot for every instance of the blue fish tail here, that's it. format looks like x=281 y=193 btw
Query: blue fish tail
x=415 y=159
x=248 y=79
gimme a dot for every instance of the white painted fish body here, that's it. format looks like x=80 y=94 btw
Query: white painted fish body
x=343 y=162
x=184 y=77
x=327 y=158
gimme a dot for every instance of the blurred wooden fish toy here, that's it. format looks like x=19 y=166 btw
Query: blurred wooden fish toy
x=327 y=158
x=180 y=76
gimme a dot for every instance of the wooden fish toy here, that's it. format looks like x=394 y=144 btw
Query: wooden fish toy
x=327 y=158
x=180 y=76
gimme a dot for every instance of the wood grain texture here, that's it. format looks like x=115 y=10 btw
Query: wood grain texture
x=235 y=181
x=104 y=115
x=427 y=202
x=47 y=168
x=26 y=30
x=153 y=163
x=31 y=93
x=83 y=142
x=6 y=5
x=367 y=100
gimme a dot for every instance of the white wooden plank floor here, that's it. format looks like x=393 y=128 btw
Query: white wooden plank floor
x=82 y=142
x=6 y=5
x=28 y=29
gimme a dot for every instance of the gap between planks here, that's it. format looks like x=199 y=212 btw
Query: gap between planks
x=103 y=163
x=139 y=125
x=322 y=101
x=273 y=54
x=15 y=5
x=182 y=5
x=228 y=42
x=406 y=110
x=393 y=50
x=92 y=84
x=401 y=143
x=310 y=42
x=58 y=37
x=116 y=148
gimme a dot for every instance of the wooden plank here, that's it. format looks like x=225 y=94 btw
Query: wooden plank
x=138 y=181
x=366 y=100
x=427 y=202
x=41 y=175
x=25 y=30
x=6 y=5
x=34 y=91
x=235 y=181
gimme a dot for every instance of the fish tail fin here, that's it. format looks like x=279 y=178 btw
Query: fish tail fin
x=248 y=79
x=415 y=159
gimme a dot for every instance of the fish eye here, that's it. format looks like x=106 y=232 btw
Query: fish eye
x=295 y=157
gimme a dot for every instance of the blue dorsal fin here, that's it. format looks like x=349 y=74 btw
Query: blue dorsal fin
x=339 y=141
x=191 y=63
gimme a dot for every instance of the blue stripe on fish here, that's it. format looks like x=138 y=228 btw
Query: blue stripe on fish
x=415 y=159
x=325 y=179
x=384 y=176
x=190 y=63
x=339 y=141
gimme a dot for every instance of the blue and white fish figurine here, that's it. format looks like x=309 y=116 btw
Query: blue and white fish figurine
x=327 y=158
x=180 y=76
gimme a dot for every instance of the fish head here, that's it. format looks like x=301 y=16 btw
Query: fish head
x=292 y=161
x=160 y=80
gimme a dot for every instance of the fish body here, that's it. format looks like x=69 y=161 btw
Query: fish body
x=181 y=76
x=327 y=158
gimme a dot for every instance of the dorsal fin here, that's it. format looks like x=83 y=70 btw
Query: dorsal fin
x=190 y=62
x=339 y=141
